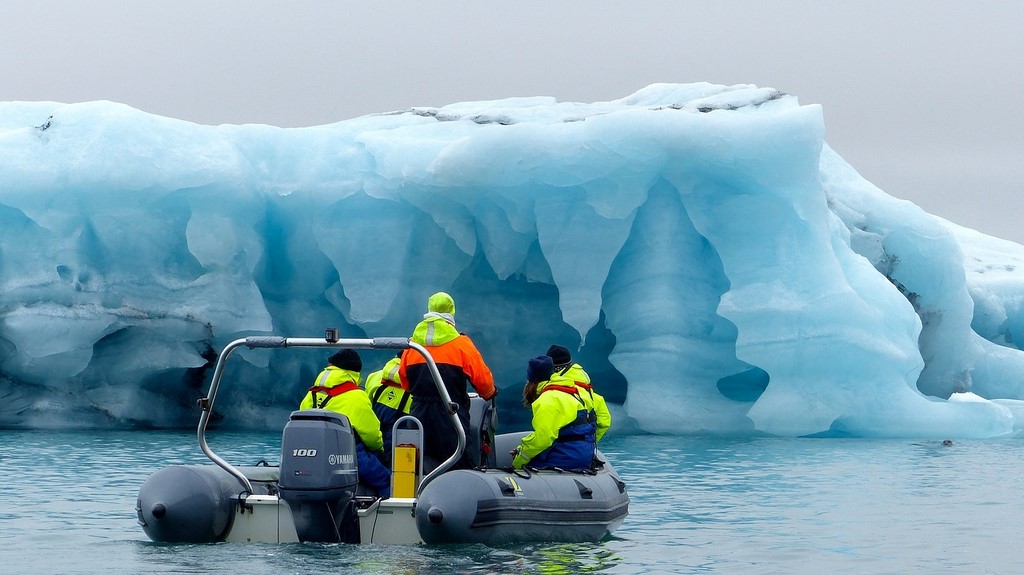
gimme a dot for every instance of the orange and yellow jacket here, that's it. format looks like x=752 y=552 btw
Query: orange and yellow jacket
x=457 y=359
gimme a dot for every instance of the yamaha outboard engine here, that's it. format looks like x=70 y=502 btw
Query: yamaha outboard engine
x=319 y=476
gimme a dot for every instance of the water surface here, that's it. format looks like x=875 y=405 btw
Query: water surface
x=698 y=505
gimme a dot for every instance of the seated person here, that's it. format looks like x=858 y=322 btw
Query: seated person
x=337 y=389
x=563 y=431
x=567 y=370
x=389 y=399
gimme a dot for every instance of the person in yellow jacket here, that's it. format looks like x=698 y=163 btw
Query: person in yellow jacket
x=563 y=433
x=389 y=399
x=337 y=389
x=567 y=370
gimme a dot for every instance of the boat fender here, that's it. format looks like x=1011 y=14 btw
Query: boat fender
x=187 y=504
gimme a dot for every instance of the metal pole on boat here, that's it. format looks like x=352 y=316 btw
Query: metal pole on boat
x=269 y=341
x=452 y=410
x=206 y=405
x=329 y=341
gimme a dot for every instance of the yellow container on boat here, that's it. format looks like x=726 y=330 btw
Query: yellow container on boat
x=405 y=458
x=405 y=485
x=404 y=472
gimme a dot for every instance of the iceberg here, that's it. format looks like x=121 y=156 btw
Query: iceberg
x=710 y=260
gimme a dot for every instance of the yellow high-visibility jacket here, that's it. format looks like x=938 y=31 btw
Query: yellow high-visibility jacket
x=338 y=390
x=575 y=374
x=563 y=434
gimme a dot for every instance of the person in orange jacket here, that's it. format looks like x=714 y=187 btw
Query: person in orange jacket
x=459 y=363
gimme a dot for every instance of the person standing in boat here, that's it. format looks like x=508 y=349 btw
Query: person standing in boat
x=337 y=389
x=459 y=363
x=563 y=433
x=389 y=399
x=568 y=371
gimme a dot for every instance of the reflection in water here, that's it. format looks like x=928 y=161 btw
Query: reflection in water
x=564 y=558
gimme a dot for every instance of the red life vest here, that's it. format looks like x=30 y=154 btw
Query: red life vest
x=330 y=392
x=563 y=389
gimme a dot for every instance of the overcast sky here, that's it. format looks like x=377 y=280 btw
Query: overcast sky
x=924 y=98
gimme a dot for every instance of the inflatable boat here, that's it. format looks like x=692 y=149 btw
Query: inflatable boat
x=314 y=493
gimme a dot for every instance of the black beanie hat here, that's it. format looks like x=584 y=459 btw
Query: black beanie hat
x=347 y=359
x=559 y=355
x=539 y=369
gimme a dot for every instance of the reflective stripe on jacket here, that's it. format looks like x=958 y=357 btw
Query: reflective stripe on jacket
x=457 y=359
x=384 y=388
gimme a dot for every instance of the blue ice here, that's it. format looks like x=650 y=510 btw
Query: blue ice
x=704 y=252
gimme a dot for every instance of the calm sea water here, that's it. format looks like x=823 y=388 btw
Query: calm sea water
x=699 y=505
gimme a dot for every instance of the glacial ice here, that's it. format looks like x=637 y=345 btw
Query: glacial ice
x=714 y=264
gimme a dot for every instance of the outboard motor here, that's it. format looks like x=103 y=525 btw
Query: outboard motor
x=319 y=476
